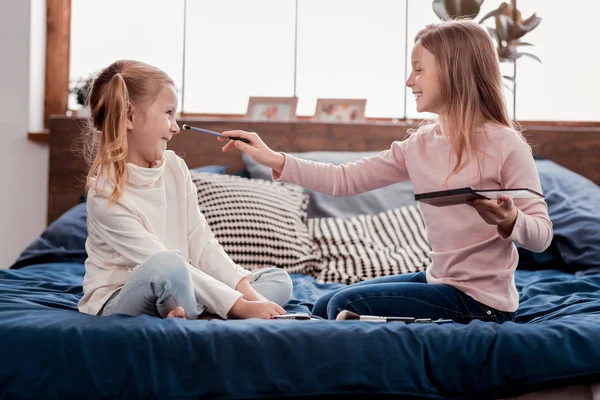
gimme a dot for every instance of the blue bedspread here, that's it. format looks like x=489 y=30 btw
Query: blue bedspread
x=49 y=350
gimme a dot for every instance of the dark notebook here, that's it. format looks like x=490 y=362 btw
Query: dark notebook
x=453 y=197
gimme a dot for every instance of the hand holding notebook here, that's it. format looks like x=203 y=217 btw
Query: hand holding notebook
x=453 y=197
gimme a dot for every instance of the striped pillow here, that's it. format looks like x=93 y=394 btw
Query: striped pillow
x=369 y=246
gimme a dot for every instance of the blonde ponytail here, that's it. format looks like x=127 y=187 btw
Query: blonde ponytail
x=116 y=89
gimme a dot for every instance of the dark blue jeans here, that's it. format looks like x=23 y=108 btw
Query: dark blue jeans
x=407 y=295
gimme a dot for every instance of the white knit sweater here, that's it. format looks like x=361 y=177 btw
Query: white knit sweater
x=158 y=211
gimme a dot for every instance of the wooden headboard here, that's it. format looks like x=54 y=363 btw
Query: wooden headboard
x=575 y=148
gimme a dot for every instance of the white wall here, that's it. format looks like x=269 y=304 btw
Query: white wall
x=23 y=164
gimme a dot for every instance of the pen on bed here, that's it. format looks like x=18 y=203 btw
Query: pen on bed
x=301 y=316
x=375 y=318
x=349 y=315
x=185 y=126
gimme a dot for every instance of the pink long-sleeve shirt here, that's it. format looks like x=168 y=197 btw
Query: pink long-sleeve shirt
x=467 y=253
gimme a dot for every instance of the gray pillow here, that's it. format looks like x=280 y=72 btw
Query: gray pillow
x=322 y=205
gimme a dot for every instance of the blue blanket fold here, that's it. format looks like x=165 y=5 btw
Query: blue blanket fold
x=49 y=349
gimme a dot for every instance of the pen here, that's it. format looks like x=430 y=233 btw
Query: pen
x=185 y=126
x=292 y=316
x=349 y=315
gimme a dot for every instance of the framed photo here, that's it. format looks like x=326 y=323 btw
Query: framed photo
x=272 y=108
x=340 y=110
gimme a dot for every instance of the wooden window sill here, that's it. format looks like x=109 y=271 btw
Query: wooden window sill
x=42 y=136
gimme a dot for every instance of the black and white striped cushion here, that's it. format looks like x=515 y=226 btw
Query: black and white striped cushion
x=369 y=246
x=259 y=223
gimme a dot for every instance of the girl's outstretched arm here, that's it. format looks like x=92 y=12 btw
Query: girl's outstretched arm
x=369 y=173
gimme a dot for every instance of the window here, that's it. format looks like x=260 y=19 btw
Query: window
x=352 y=49
x=146 y=30
x=566 y=86
x=313 y=49
x=236 y=49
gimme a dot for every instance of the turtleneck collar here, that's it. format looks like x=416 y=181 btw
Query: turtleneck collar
x=140 y=176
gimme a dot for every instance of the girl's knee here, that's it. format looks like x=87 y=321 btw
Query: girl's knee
x=167 y=265
x=286 y=286
x=338 y=302
x=281 y=285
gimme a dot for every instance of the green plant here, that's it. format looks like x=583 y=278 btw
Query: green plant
x=80 y=88
x=450 y=9
x=509 y=29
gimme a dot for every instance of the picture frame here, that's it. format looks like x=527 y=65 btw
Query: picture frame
x=272 y=109
x=340 y=110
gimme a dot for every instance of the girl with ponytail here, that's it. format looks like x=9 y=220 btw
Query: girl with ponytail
x=150 y=250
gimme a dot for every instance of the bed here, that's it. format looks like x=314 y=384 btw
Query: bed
x=52 y=351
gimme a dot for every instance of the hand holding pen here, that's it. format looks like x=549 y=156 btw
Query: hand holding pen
x=217 y=134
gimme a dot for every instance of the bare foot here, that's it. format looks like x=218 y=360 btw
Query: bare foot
x=177 y=312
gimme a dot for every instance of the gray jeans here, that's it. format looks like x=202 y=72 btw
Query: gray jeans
x=163 y=282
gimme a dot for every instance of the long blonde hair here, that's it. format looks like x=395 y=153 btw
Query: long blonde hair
x=119 y=86
x=471 y=83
